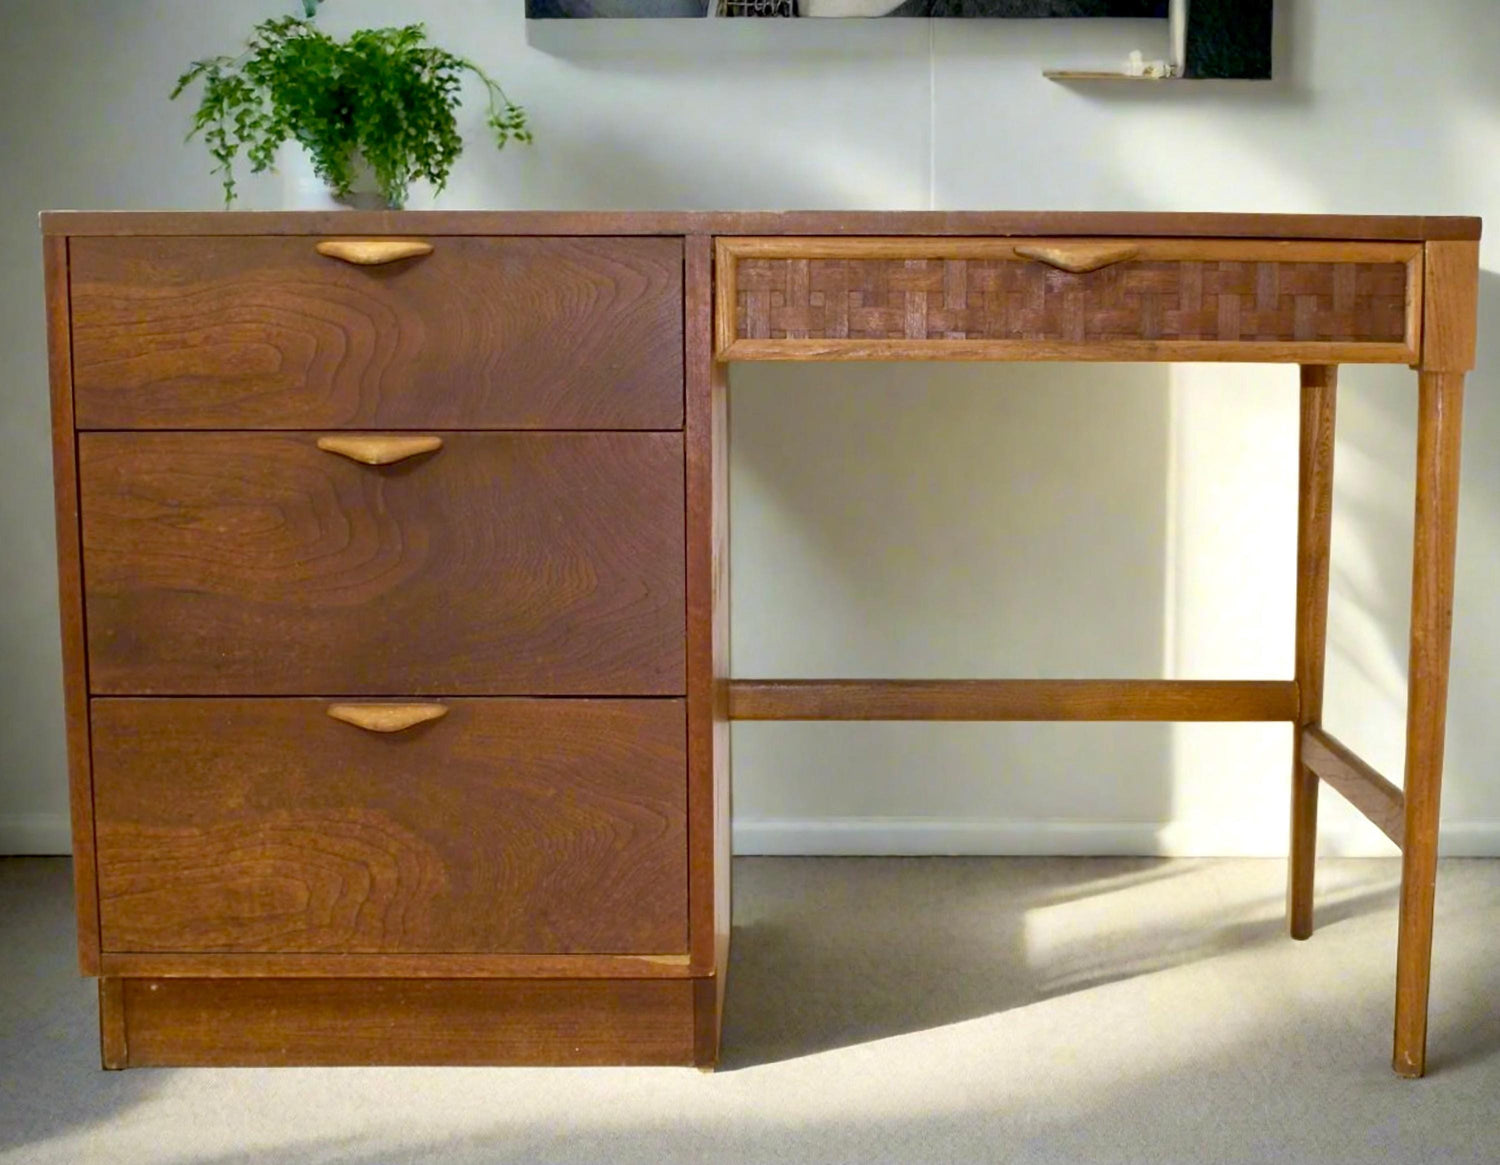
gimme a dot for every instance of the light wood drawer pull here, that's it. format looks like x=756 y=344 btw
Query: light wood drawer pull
x=378 y=449
x=373 y=252
x=386 y=717
x=1080 y=257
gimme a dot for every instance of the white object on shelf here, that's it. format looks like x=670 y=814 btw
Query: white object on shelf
x=1137 y=66
x=302 y=189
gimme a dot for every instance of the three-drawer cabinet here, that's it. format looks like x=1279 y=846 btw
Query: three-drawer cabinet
x=378 y=662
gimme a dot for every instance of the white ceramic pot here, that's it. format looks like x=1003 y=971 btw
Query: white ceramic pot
x=302 y=189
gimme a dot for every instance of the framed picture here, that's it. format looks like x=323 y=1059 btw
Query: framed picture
x=1210 y=38
x=1002 y=9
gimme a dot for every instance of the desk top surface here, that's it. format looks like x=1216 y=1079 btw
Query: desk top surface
x=816 y=222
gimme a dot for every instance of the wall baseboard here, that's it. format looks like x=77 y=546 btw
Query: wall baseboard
x=35 y=834
x=898 y=836
x=48 y=833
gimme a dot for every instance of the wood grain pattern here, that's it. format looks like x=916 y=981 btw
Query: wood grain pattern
x=485 y=333
x=707 y=1023
x=699 y=454
x=269 y=1022
x=1314 y=535
x=1159 y=700
x=1439 y=426
x=373 y=252
x=254 y=564
x=1359 y=784
x=1330 y=300
x=1079 y=257
x=525 y=826
x=1450 y=326
x=70 y=603
x=725 y=317
x=707 y=455
x=426 y=965
x=1195 y=250
x=114 y=1051
x=581 y=321
x=378 y=448
x=387 y=717
x=1092 y=351
x=826 y=222
x=723 y=855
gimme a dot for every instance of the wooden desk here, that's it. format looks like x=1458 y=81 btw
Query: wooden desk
x=329 y=805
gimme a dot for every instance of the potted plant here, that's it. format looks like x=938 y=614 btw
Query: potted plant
x=375 y=110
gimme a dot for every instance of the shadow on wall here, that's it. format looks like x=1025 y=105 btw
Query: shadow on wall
x=1472 y=750
x=1370 y=606
x=950 y=521
x=781 y=137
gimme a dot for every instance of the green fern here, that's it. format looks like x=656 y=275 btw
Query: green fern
x=385 y=94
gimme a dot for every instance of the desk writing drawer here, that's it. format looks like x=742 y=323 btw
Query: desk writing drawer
x=498 y=564
x=519 y=825
x=482 y=333
x=1067 y=299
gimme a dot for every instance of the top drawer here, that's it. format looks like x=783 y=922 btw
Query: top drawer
x=482 y=333
x=1068 y=299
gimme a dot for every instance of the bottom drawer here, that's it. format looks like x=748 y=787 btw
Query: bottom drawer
x=506 y=826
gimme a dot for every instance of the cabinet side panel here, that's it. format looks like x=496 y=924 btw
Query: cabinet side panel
x=698 y=454
x=708 y=645
x=70 y=600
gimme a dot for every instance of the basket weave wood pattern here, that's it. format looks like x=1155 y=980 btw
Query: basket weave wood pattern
x=1004 y=299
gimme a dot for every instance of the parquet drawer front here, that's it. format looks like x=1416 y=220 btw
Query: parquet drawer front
x=508 y=825
x=499 y=564
x=785 y=298
x=486 y=333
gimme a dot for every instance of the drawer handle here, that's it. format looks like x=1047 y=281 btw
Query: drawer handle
x=386 y=717
x=373 y=252
x=378 y=449
x=1080 y=257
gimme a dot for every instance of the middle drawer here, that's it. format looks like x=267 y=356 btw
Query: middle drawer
x=498 y=564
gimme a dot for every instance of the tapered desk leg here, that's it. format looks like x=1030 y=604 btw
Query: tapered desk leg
x=1314 y=528
x=1440 y=417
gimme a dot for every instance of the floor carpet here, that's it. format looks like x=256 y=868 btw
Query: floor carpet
x=880 y=1010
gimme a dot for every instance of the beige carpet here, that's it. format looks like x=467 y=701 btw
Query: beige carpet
x=906 y=1010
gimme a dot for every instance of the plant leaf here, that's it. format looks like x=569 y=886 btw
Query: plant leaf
x=384 y=94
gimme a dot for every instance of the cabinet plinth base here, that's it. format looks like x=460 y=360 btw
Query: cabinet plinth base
x=327 y=1022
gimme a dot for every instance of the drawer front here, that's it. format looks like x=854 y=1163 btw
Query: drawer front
x=1123 y=299
x=485 y=333
x=506 y=826
x=501 y=564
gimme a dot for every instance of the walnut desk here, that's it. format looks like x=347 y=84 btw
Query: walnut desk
x=393 y=554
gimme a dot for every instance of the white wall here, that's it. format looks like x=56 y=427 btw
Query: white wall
x=1053 y=521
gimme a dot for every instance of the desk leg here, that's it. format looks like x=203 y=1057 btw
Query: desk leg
x=1314 y=527
x=1439 y=421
